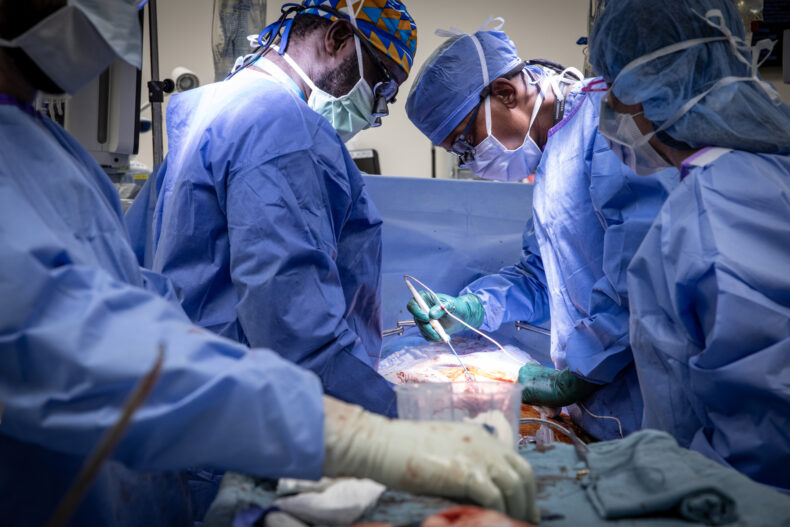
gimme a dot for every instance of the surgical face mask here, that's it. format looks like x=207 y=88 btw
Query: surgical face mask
x=628 y=142
x=69 y=48
x=495 y=162
x=349 y=114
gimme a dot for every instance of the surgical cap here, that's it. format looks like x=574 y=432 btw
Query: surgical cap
x=743 y=115
x=385 y=23
x=448 y=85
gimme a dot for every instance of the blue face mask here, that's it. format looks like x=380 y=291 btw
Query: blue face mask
x=495 y=162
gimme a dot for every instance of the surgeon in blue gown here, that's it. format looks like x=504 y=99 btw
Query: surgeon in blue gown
x=80 y=324
x=262 y=220
x=709 y=286
x=508 y=120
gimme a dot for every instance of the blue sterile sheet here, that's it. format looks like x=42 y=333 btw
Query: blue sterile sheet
x=622 y=478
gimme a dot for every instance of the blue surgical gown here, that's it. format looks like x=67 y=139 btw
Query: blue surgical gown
x=590 y=213
x=710 y=321
x=80 y=323
x=263 y=223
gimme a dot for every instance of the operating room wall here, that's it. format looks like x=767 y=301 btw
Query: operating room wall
x=539 y=29
x=184 y=40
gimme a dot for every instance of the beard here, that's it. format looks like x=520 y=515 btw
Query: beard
x=340 y=81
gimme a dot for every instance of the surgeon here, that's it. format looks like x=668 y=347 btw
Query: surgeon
x=80 y=324
x=709 y=286
x=261 y=219
x=507 y=119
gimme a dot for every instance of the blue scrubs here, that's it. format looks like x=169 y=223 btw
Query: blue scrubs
x=590 y=214
x=80 y=323
x=264 y=225
x=710 y=324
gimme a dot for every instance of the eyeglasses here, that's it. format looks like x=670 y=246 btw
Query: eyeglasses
x=461 y=146
x=384 y=92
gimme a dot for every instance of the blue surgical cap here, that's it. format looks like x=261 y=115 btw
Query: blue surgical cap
x=742 y=115
x=448 y=85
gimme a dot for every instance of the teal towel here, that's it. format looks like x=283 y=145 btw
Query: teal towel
x=648 y=473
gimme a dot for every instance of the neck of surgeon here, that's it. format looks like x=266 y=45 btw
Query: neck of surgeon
x=545 y=119
x=672 y=155
x=301 y=55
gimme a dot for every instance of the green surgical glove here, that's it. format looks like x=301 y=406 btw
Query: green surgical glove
x=552 y=388
x=468 y=308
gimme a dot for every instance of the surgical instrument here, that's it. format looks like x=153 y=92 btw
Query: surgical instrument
x=436 y=325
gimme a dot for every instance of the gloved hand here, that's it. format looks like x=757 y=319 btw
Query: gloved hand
x=455 y=460
x=553 y=388
x=468 y=308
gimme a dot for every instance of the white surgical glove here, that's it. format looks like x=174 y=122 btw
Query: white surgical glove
x=455 y=460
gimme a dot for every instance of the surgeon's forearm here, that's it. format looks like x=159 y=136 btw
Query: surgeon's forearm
x=345 y=376
x=516 y=292
x=510 y=296
x=101 y=335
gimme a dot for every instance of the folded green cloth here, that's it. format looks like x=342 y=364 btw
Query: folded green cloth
x=648 y=473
